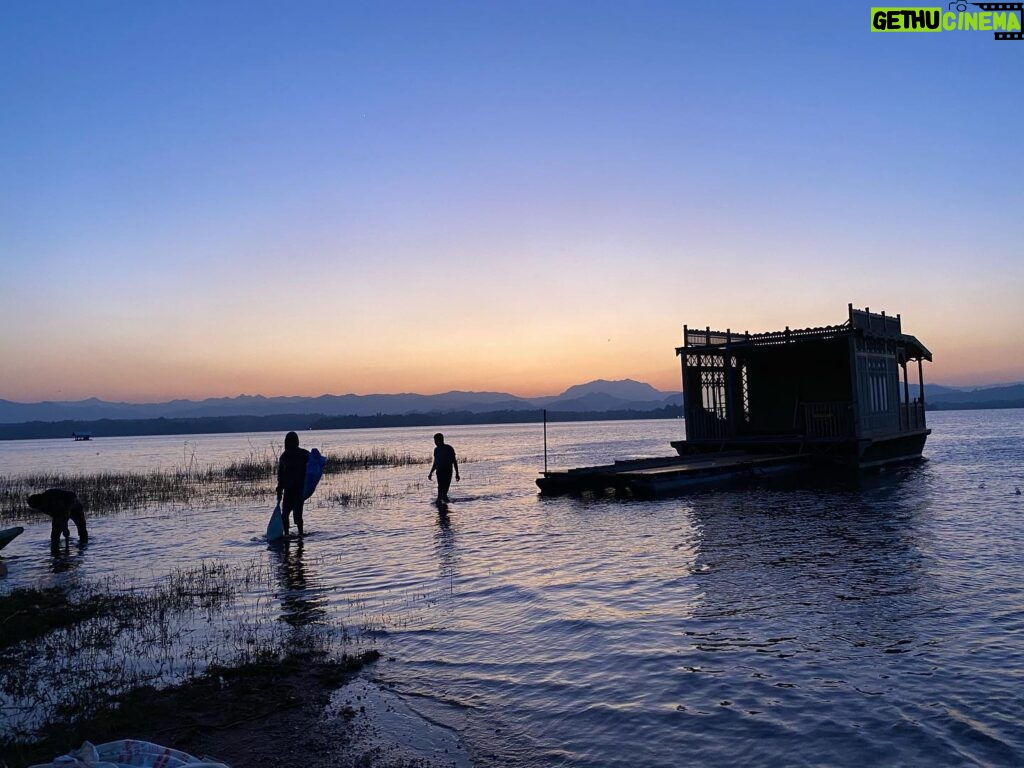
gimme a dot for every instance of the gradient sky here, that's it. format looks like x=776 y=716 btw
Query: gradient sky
x=214 y=198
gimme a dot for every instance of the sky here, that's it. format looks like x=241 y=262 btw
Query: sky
x=213 y=198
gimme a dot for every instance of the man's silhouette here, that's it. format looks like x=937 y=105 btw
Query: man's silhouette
x=444 y=463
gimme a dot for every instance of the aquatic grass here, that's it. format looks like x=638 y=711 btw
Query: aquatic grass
x=103 y=491
x=263 y=465
x=252 y=476
x=359 y=495
x=374 y=458
x=99 y=642
x=257 y=466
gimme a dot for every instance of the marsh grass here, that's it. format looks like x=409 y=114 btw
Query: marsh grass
x=375 y=458
x=263 y=465
x=252 y=476
x=88 y=647
x=359 y=495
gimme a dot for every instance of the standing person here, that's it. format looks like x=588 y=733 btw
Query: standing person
x=291 y=480
x=444 y=463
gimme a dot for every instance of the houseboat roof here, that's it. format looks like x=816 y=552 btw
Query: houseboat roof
x=861 y=321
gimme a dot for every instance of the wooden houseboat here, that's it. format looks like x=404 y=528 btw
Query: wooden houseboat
x=770 y=402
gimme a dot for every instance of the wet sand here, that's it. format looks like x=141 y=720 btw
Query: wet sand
x=307 y=711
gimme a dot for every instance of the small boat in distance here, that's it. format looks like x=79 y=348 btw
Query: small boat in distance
x=79 y=436
x=779 y=401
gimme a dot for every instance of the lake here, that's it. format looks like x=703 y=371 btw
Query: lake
x=876 y=621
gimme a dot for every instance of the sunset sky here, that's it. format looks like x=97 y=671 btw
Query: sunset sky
x=213 y=198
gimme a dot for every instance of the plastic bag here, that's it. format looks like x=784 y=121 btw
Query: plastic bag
x=314 y=471
x=275 y=528
x=129 y=753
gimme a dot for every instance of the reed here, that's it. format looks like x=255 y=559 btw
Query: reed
x=375 y=458
x=250 y=476
x=90 y=646
x=103 y=491
x=252 y=469
x=360 y=495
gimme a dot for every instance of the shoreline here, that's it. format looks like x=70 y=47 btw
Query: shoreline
x=305 y=709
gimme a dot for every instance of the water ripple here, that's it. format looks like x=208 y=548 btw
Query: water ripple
x=871 y=622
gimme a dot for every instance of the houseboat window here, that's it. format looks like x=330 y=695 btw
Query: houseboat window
x=878 y=381
x=713 y=392
x=746 y=393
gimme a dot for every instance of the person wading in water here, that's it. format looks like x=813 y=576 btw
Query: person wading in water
x=291 y=480
x=444 y=463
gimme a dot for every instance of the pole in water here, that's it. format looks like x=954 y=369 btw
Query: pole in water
x=545 y=441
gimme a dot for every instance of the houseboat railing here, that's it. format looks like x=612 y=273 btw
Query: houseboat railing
x=710 y=338
x=911 y=416
x=828 y=420
x=705 y=425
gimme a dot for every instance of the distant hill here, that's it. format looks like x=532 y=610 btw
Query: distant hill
x=597 y=399
x=942 y=398
x=601 y=395
x=1008 y=392
x=597 y=396
x=278 y=423
x=625 y=389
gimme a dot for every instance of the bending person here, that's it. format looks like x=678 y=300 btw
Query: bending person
x=61 y=506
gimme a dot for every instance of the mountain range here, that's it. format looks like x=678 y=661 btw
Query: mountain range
x=948 y=398
x=599 y=396
x=595 y=396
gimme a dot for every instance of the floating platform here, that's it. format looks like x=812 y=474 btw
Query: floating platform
x=661 y=477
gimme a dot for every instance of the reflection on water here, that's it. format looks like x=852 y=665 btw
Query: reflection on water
x=302 y=601
x=444 y=545
x=66 y=557
x=873 y=621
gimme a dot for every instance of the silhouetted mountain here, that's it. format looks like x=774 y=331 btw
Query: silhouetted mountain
x=405 y=403
x=279 y=423
x=625 y=389
x=595 y=397
x=958 y=395
x=601 y=395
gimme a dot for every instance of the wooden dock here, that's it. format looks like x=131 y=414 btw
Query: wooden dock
x=665 y=476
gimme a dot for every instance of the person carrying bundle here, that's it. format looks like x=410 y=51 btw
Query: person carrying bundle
x=291 y=480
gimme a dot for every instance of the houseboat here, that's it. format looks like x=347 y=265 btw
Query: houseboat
x=759 y=403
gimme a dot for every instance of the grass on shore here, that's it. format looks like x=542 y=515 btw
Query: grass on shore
x=187 y=662
x=65 y=654
x=235 y=714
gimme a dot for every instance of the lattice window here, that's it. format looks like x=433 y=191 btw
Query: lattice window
x=878 y=382
x=746 y=392
x=741 y=371
x=712 y=389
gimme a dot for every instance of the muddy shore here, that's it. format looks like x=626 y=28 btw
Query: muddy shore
x=291 y=712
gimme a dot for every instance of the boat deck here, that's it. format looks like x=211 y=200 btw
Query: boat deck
x=654 y=477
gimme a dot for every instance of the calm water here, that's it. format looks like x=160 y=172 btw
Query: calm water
x=876 y=623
